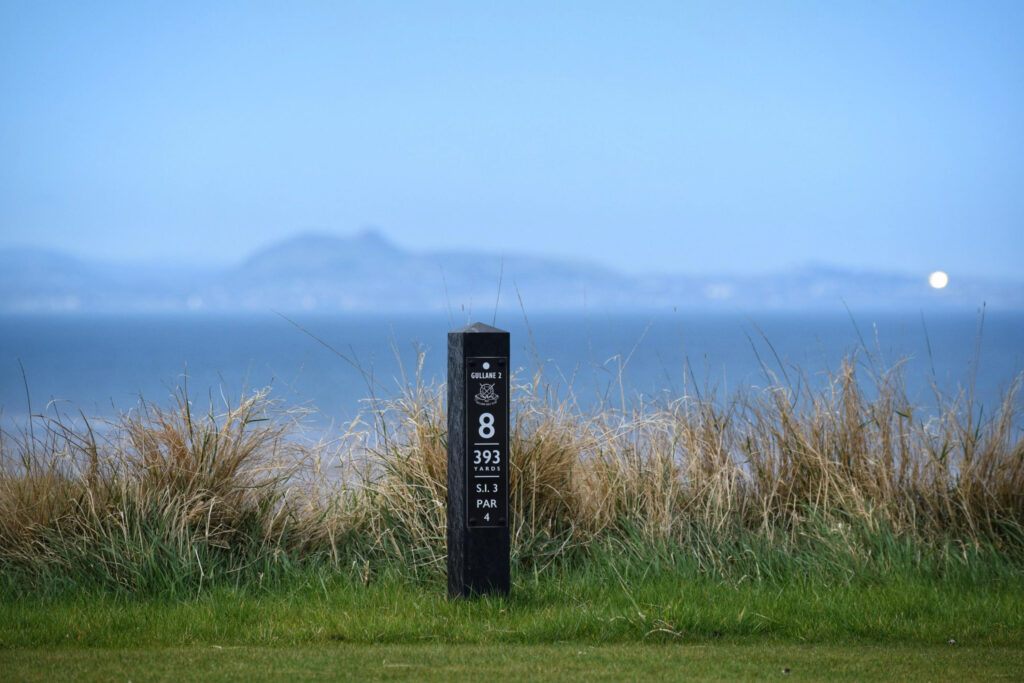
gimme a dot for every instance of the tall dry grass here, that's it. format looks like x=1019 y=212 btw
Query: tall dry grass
x=161 y=496
x=166 y=498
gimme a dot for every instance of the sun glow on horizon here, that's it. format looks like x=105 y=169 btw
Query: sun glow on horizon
x=938 y=279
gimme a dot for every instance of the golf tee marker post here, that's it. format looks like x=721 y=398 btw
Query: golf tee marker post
x=478 y=423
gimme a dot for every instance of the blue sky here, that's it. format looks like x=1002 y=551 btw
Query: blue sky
x=676 y=136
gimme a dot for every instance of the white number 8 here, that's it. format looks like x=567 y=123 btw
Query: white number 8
x=486 y=429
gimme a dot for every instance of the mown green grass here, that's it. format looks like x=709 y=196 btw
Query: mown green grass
x=583 y=607
x=519 y=662
x=607 y=622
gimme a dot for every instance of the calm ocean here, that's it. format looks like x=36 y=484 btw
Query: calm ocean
x=100 y=365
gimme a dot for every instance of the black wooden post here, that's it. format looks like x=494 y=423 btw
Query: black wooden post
x=478 y=409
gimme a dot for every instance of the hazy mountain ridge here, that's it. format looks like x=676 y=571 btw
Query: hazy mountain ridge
x=366 y=272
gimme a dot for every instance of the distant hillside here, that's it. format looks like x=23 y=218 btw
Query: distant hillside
x=366 y=272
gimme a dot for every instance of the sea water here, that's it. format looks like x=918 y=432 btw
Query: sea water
x=99 y=366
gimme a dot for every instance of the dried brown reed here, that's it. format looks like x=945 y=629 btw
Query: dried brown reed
x=158 y=482
x=762 y=461
x=215 y=494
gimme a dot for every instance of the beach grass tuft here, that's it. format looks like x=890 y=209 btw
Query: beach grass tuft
x=844 y=483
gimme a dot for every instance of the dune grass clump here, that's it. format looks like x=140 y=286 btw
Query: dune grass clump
x=163 y=498
x=851 y=480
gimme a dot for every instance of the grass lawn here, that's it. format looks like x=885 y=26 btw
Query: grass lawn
x=583 y=606
x=559 y=661
x=571 y=625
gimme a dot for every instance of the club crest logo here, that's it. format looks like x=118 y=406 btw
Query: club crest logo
x=486 y=396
